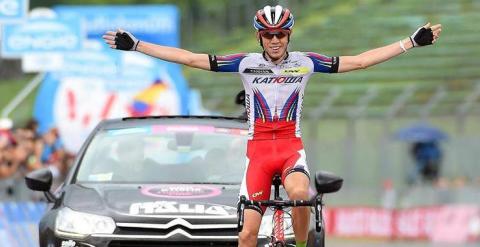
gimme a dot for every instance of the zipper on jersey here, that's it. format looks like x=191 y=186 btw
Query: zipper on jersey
x=275 y=116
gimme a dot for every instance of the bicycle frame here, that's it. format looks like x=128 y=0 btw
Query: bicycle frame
x=278 y=234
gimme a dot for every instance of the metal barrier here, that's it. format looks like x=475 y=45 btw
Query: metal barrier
x=19 y=223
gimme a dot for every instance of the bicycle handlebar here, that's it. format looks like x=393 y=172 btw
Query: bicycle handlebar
x=316 y=203
x=282 y=203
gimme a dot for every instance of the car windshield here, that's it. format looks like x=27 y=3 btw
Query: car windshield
x=165 y=154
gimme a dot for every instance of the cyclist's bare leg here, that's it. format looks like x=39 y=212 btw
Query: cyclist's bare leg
x=296 y=185
x=248 y=236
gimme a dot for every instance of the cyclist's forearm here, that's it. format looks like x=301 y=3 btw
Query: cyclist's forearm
x=175 y=55
x=374 y=56
x=382 y=54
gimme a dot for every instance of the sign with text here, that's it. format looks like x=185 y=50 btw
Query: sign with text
x=13 y=10
x=99 y=83
x=96 y=85
x=153 y=23
x=42 y=35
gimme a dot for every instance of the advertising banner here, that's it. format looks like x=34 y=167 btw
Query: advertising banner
x=40 y=35
x=457 y=224
x=97 y=82
x=12 y=11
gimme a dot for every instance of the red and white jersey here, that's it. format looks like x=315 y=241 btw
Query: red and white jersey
x=274 y=92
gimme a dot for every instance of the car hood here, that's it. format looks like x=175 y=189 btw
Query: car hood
x=155 y=202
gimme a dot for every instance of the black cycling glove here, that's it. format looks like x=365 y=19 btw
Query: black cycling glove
x=126 y=41
x=421 y=37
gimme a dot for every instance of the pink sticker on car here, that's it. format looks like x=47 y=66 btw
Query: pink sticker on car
x=180 y=191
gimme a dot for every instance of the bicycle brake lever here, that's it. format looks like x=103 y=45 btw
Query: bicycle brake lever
x=240 y=213
x=318 y=212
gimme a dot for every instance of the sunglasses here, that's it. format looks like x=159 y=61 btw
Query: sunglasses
x=270 y=34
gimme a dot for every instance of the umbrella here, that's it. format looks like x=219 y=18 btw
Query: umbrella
x=420 y=132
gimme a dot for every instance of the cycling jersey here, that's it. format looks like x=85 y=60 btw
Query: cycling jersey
x=273 y=100
x=274 y=93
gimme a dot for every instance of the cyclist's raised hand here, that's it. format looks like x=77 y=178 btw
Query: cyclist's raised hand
x=121 y=40
x=426 y=35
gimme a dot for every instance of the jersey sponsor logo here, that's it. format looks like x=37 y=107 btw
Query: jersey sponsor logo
x=296 y=71
x=258 y=71
x=279 y=79
x=171 y=207
x=257 y=194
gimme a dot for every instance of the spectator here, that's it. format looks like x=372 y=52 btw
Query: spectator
x=8 y=163
x=427 y=157
x=23 y=150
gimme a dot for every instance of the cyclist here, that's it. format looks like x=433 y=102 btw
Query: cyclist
x=274 y=82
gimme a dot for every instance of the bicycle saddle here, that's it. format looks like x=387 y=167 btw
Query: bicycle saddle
x=326 y=182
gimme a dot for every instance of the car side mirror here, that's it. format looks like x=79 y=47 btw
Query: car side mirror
x=41 y=180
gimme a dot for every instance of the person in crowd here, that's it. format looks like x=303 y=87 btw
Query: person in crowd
x=23 y=150
x=427 y=157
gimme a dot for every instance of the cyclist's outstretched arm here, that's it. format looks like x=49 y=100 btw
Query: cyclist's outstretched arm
x=425 y=35
x=123 y=40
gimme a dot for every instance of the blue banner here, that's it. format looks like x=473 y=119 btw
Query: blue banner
x=159 y=24
x=120 y=83
x=13 y=10
x=42 y=35
x=19 y=223
x=153 y=23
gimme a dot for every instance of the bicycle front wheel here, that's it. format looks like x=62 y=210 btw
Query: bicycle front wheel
x=280 y=244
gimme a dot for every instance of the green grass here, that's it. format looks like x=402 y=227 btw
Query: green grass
x=8 y=90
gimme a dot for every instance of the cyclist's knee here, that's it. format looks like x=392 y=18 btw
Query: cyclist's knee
x=298 y=193
x=247 y=237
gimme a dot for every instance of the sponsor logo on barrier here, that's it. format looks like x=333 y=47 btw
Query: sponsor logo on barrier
x=442 y=224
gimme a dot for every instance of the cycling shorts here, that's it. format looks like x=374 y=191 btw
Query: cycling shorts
x=265 y=158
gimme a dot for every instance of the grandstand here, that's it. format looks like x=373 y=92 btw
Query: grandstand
x=436 y=81
x=349 y=118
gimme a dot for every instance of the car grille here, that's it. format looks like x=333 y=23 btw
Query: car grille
x=121 y=243
x=196 y=232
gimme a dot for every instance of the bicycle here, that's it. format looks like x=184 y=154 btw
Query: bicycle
x=325 y=182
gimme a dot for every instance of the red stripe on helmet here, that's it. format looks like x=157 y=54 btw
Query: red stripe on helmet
x=262 y=20
x=284 y=18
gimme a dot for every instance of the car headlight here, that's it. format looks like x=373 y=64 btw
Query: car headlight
x=75 y=224
x=267 y=225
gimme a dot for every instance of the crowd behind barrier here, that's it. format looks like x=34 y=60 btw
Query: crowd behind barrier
x=24 y=149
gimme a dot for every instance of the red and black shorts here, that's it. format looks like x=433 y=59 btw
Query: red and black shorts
x=265 y=158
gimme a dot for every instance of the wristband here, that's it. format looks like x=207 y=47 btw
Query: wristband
x=402 y=46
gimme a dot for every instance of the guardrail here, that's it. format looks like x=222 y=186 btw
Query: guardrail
x=19 y=223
